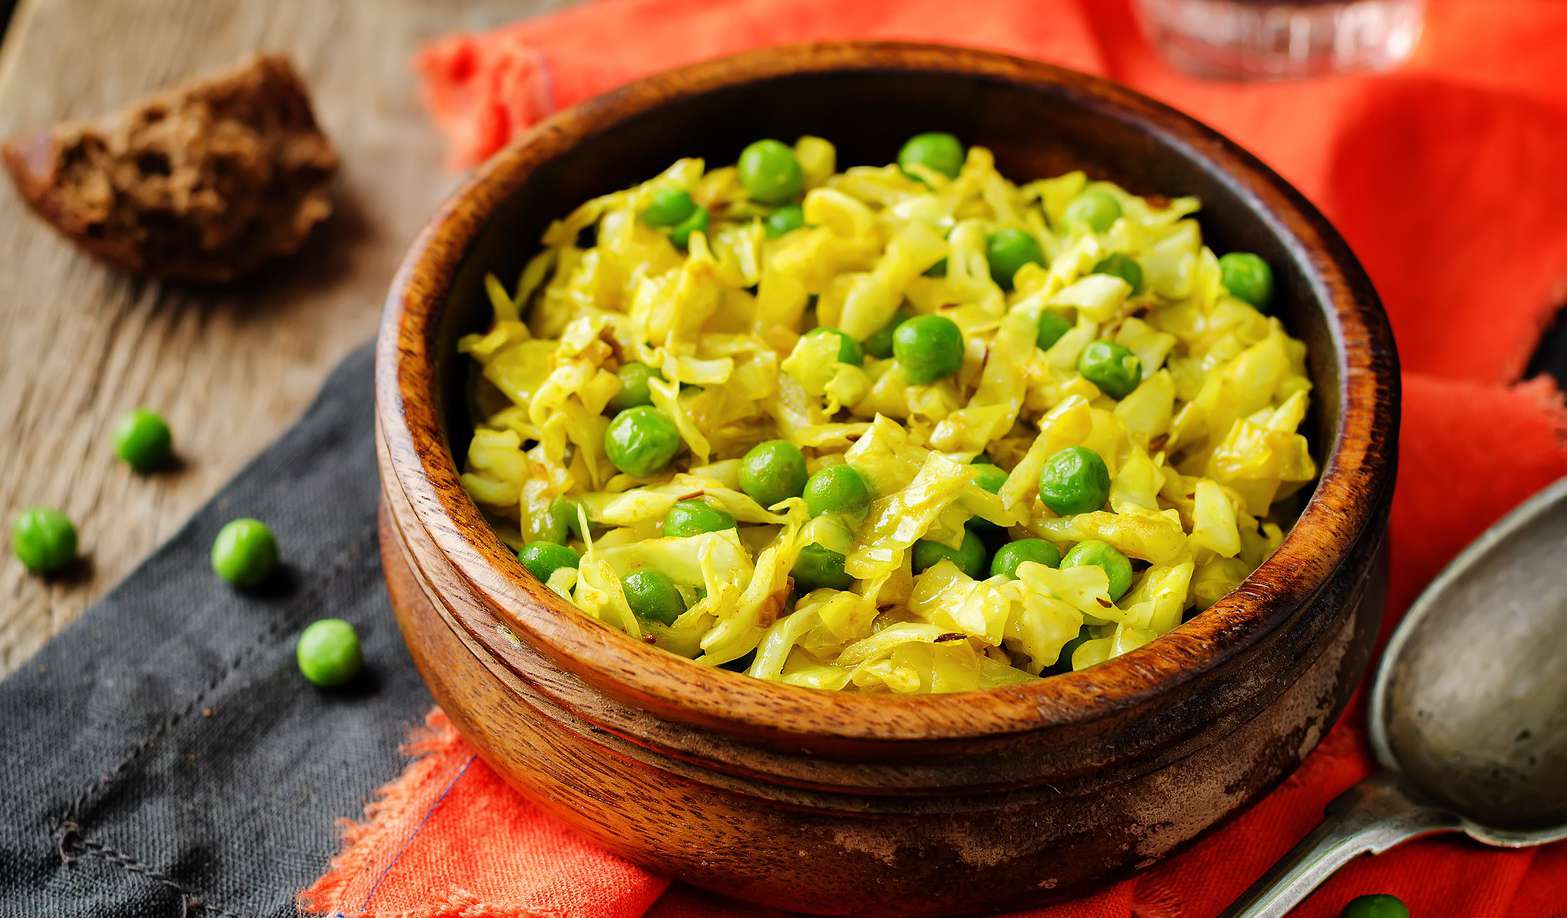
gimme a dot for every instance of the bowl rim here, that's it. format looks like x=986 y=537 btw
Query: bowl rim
x=1346 y=504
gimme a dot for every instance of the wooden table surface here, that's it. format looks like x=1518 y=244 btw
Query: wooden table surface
x=81 y=343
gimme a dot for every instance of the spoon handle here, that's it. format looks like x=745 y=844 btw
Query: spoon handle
x=1369 y=818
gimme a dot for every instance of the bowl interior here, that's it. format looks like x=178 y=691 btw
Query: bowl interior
x=867 y=98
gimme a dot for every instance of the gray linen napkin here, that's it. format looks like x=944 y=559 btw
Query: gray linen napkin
x=164 y=756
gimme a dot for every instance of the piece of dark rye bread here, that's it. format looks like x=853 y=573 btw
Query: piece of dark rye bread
x=203 y=182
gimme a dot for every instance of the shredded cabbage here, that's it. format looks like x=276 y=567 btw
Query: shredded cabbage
x=1203 y=454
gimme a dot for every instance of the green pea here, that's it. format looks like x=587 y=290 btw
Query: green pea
x=848 y=348
x=634 y=389
x=680 y=233
x=670 y=207
x=990 y=477
x=939 y=269
x=836 y=489
x=44 y=539
x=1095 y=208
x=563 y=520
x=935 y=151
x=1248 y=278
x=328 y=653
x=543 y=558
x=1377 y=905
x=244 y=552
x=1111 y=367
x=1074 y=480
x=769 y=173
x=652 y=595
x=640 y=441
x=928 y=348
x=784 y=220
x=773 y=471
x=820 y=568
x=142 y=439
x=1102 y=555
x=982 y=459
x=969 y=556
x=1052 y=325
x=1007 y=251
x=1119 y=264
x=1010 y=555
x=879 y=344
x=559 y=521
x=694 y=517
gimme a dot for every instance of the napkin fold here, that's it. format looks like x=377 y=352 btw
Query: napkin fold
x=1444 y=178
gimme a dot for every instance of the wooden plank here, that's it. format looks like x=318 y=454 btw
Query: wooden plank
x=80 y=343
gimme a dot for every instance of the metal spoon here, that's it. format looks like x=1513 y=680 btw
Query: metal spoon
x=1468 y=712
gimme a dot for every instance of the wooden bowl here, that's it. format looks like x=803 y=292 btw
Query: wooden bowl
x=848 y=803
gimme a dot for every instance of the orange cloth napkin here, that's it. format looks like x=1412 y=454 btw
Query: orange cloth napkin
x=1445 y=177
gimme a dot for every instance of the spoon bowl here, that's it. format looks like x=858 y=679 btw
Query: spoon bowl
x=1468 y=712
x=1471 y=703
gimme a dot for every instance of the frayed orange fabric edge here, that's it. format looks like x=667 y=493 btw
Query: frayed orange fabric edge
x=364 y=841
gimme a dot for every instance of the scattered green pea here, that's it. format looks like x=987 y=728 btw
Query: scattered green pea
x=328 y=653
x=1007 y=251
x=773 y=471
x=1377 y=905
x=848 y=348
x=680 y=233
x=1124 y=266
x=1248 y=278
x=1102 y=555
x=769 y=172
x=990 y=477
x=936 y=151
x=1074 y=480
x=928 y=348
x=652 y=595
x=1112 y=367
x=142 y=440
x=670 y=207
x=836 y=489
x=640 y=441
x=879 y=344
x=1095 y=208
x=969 y=556
x=694 y=517
x=245 y=552
x=784 y=220
x=1010 y=555
x=543 y=558
x=820 y=568
x=1052 y=325
x=634 y=389
x=564 y=521
x=44 y=539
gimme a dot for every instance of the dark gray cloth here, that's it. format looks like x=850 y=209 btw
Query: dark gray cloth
x=164 y=756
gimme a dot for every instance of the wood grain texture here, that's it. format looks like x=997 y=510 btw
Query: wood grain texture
x=81 y=343
x=891 y=804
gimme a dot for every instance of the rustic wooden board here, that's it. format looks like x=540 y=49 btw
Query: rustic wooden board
x=81 y=343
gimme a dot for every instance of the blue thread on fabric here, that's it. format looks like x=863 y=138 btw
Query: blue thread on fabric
x=407 y=842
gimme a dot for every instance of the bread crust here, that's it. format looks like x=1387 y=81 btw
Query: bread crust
x=203 y=182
